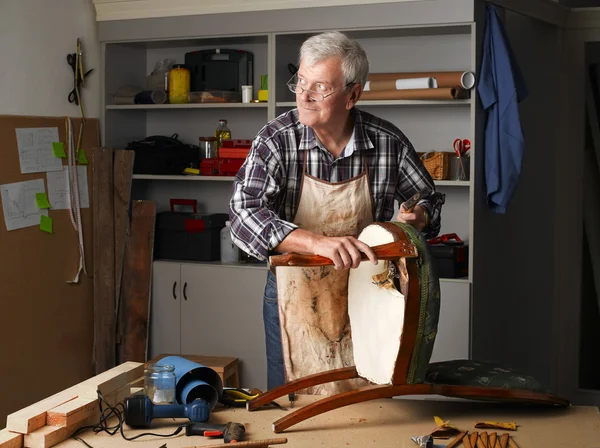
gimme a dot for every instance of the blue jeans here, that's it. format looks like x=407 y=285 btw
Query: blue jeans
x=275 y=370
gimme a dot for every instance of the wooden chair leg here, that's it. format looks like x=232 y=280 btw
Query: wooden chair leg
x=347 y=398
x=329 y=376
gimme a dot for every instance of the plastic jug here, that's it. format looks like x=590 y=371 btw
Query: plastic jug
x=230 y=253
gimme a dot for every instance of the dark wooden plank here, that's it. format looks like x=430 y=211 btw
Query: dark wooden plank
x=122 y=173
x=137 y=275
x=104 y=261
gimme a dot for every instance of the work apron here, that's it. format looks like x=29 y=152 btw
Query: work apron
x=313 y=302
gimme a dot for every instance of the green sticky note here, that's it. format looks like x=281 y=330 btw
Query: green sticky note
x=81 y=158
x=45 y=224
x=59 y=149
x=42 y=200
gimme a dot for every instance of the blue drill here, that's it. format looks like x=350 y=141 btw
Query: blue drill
x=139 y=411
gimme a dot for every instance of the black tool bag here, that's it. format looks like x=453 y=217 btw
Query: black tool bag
x=163 y=155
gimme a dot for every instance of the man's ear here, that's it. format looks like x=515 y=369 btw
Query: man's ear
x=355 y=94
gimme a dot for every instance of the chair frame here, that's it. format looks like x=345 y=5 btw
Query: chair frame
x=399 y=385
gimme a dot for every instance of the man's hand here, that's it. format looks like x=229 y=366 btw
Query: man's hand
x=416 y=218
x=344 y=251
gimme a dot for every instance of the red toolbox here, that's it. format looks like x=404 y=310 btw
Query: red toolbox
x=209 y=167
x=230 y=167
x=235 y=149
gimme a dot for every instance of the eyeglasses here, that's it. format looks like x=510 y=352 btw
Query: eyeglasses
x=313 y=95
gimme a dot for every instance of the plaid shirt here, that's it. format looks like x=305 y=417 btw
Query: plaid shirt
x=266 y=190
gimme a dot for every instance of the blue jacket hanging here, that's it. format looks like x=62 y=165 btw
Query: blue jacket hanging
x=501 y=88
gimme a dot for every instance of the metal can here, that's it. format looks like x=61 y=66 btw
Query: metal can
x=179 y=84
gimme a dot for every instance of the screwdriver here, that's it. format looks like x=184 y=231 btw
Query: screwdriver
x=292 y=398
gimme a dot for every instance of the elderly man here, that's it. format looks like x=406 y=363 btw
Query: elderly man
x=314 y=178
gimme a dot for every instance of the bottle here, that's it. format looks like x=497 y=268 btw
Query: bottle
x=179 y=84
x=230 y=253
x=222 y=133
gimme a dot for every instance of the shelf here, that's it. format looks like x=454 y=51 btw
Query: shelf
x=187 y=106
x=182 y=177
x=455 y=280
x=396 y=103
x=443 y=183
x=452 y=183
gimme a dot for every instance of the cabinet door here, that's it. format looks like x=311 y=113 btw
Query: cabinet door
x=165 y=320
x=452 y=340
x=221 y=315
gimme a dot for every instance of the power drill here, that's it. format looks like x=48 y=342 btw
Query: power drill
x=139 y=411
x=231 y=432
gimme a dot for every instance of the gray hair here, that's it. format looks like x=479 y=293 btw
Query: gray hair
x=355 y=65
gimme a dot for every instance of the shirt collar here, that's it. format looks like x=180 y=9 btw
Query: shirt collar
x=361 y=139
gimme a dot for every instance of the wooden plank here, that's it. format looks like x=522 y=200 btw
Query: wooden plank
x=137 y=274
x=123 y=172
x=113 y=380
x=10 y=439
x=104 y=261
x=33 y=417
x=72 y=412
x=49 y=436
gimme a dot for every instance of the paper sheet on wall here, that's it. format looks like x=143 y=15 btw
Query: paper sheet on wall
x=19 y=204
x=35 y=150
x=58 y=188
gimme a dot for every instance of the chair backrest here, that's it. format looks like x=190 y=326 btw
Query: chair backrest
x=394 y=309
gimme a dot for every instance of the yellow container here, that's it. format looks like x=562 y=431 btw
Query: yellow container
x=179 y=84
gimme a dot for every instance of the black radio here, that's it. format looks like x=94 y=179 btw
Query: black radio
x=224 y=70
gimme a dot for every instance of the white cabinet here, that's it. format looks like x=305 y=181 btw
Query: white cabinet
x=210 y=310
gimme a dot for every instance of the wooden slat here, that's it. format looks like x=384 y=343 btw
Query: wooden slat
x=72 y=412
x=137 y=282
x=123 y=172
x=104 y=261
x=49 y=436
x=10 y=439
x=114 y=379
x=33 y=417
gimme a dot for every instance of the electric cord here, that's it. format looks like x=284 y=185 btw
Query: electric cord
x=107 y=411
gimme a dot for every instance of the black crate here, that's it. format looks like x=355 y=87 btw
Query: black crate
x=452 y=259
x=189 y=236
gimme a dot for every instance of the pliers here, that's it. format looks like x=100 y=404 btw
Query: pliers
x=237 y=398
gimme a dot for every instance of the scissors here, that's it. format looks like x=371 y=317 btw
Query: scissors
x=461 y=147
x=76 y=63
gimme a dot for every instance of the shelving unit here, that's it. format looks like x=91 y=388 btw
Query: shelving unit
x=430 y=125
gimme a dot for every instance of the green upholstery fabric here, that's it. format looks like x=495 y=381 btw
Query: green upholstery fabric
x=464 y=372
x=429 y=312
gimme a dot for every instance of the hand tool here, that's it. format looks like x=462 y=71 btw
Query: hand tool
x=388 y=251
x=292 y=398
x=139 y=411
x=231 y=432
x=410 y=204
x=249 y=443
x=237 y=398
x=461 y=147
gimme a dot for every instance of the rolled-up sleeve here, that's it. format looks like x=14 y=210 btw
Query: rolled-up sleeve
x=413 y=177
x=255 y=226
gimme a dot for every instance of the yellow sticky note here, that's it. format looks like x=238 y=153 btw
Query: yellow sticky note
x=81 y=158
x=59 y=149
x=42 y=200
x=45 y=224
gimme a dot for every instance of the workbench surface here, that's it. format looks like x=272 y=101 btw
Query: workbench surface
x=382 y=423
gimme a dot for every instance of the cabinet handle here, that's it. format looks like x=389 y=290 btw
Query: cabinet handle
x=174 y=286
x=184 y=291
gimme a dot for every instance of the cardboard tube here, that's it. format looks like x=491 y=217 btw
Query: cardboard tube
x=464 y=79
x=401 y=84
x=443 y=93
